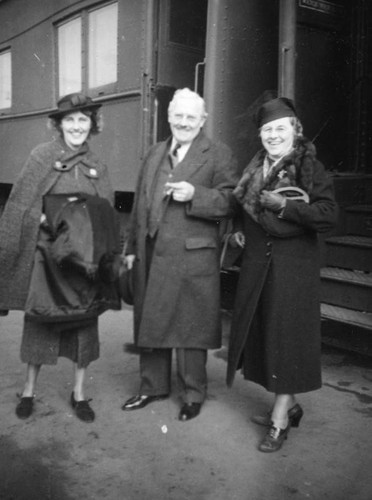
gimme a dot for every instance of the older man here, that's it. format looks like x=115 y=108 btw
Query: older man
x=183 y=192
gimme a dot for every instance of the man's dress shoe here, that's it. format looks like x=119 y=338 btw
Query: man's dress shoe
x=140 y=401
x=189 y=411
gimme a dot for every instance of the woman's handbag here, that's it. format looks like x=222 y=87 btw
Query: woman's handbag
x=277 y=226
x=126 y=284
x=230 y=251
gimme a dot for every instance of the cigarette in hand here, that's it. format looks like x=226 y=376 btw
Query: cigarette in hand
x=168 y=190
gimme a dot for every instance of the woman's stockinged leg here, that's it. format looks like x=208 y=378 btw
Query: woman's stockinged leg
x=81 y=406
x=25 y=405
x=79 y=382
x=31 y=378
x=283 y=403
x=281 y=422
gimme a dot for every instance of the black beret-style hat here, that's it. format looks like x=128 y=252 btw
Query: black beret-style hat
x=275 y=109
x=74 y=102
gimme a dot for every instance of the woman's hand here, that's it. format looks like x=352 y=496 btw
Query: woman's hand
x=237 y=240
x=272 y=201
x=129 y=260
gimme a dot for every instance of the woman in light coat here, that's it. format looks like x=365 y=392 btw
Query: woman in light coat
x=65 y=165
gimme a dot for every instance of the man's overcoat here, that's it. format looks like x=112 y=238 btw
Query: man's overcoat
x=177 y=301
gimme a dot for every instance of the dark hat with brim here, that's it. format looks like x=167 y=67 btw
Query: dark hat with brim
x=74 y=102
x=280 y=107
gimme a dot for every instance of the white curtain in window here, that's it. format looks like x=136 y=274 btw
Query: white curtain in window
x=103 y=32
x=69 y=57
x=5 y=80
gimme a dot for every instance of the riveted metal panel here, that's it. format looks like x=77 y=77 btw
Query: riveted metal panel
x=241 y=64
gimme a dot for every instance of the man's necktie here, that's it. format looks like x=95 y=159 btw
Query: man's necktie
x=174 y=155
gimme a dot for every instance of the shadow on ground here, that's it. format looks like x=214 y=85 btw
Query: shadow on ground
x=32 y=473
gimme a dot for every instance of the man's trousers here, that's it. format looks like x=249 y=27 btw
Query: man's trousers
x=156 y=369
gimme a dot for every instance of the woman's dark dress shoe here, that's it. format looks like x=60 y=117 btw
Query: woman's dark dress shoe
x=294 y=414
x=82 y=409
x=24 y=407
x=274 y=439
x=140 y=401
x=189 y=411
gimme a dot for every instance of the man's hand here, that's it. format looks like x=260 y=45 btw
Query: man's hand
x=129 y=260
x=180 y=191
x=272 y=201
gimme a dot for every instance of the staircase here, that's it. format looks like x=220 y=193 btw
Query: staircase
x=346 y=282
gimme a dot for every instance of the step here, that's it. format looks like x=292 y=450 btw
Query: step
x=351 y=188
x=347 y=337
x=346 y=316
x=349 y=252
x=363 y=209
x=345 y=288
x=355 y=277
x=359 y=220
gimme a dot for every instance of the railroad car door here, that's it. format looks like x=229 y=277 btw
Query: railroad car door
x=224 y=49
x=179 y=54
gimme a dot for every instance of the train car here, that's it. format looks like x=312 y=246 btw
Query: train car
x=131 y=56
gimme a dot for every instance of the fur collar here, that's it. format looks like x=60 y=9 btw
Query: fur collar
x=295 y=169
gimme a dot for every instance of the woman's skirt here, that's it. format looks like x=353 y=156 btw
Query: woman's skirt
x=43 y=343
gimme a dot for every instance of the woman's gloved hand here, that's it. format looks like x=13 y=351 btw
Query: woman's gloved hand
x=272 y=201
x=237 y=239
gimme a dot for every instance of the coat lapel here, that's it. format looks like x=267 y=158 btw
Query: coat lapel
x=154 y=162
x=195 y=158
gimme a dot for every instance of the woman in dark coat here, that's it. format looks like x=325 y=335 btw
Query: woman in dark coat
x=65 y=165
x=275 y=332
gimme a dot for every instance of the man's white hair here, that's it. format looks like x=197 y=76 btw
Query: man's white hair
x=186 y=93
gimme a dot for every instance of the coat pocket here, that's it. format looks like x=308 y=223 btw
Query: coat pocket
x=201 y=256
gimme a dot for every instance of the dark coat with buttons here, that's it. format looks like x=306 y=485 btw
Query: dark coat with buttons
x=177 y=299
x=275 y=332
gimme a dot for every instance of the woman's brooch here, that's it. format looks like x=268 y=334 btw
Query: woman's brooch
x=282 y=174
x=58 y=165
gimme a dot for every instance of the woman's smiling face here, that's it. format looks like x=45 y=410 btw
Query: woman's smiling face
x=75 y=129
x=277 y=137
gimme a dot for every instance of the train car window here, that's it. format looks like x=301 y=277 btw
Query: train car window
x=88 y=51
x=187 y=24
x=103 y=33
x=69 y=57
x=5 y=79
